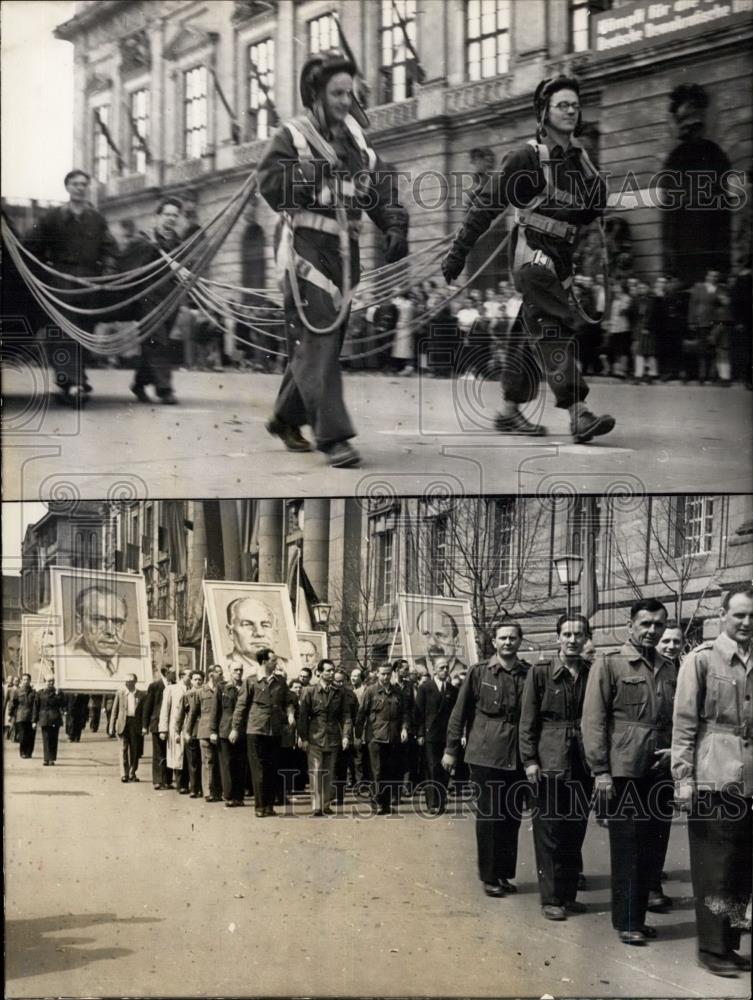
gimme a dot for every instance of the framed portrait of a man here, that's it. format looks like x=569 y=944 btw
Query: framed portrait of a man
x=163 y=646
x=101 y=629
x=433 y=627
x=246 y=617
x=312 y=647
x=11 y=652
x=186 y=658
x=38 y=647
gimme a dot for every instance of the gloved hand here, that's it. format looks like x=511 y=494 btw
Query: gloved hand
x=453 y=264
x=533 y=773
x=397 y=246
x=684 y=795
x=604 y=785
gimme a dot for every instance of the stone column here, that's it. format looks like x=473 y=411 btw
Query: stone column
x=316 y=545
x=286 y=82
x=270 y=541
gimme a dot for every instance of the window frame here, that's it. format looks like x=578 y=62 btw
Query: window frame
x=186 y=132
x=411 y=21
x=99 y=138
x=136 y=155
x=318 y=19
x=479 y=39
x=262 y=108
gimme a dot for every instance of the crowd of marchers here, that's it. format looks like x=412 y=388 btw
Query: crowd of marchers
x=631 y=734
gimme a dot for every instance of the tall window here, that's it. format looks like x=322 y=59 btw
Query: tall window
x=323 y=34
x=439 y=550
x=139 y=110
x=694 y=525
x=101 y=163
x=503 y=541
x=261 y=68
x=397 y=66
x=195 y=112
x=579 y=25
x=487 y=38
x=384 y=567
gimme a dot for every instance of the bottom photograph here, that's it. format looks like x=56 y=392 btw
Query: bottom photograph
x=473 y=746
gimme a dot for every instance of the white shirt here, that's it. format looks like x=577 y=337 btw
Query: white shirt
x=130 y=703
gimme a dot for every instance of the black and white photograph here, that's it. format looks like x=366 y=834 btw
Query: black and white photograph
x=101 y=628
x=376 y=498
x=244 y=619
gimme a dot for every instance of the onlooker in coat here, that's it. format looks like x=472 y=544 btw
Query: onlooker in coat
x=232 y=755
x=383 y=722
x=323 y=727
x=76 y=712
x=701 y=313
x=344 y=765
x=187 y=729
x=204 y=709
x=168 y=730
x=48 y=716
x=126 y=723
x=22 y=714
x=161 y=774
x=435 y=700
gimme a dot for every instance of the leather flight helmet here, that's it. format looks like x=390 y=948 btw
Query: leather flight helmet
x=544 y=92
x=318 y=69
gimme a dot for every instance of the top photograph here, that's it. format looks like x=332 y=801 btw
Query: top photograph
x=344 y=247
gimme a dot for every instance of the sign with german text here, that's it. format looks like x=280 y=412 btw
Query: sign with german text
x=650 y=21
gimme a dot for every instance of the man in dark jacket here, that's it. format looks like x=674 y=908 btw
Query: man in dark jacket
x=627 y=736
x=551 y=749
x=48 y=714
x=383 y=721
x=21 y=713
x=435 y=700
x=488 y=707
x=162 y=776
x=324 y=727
x=203 y=715
x=345 y=764
x=232 y=755
x=320 y=169
x=555 y=189
x=74 y=240
x=263 y=703
x=187 y=726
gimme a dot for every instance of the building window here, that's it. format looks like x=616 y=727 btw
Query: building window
x=503 y=541
x=440 y=555
x=195 y=112
x=261 y=77
x=384 y=567
x=101 y=162
x=139 y=110
x=694 y=525
x=163 y=589
x=487 y=38
x=579 y=25
x=323 y=34
x=397 y=67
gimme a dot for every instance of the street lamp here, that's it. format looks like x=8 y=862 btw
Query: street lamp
x=569 y=568
x=321 y=611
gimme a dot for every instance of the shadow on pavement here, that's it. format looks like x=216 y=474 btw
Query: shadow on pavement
x=38 y=946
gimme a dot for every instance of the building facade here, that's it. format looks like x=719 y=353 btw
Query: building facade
x=179 y=97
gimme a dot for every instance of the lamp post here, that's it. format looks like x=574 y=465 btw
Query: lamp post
x=321 y=612
x=569 y=568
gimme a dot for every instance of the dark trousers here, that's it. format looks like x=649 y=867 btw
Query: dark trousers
x=637 y=844
x=263 y=758
x=386 y=770
x=210 y=768
x=411 y=761
x=544 y=345
x=437 y=778
x=161 y=774
x=497 y=822
x=96 y=712
x=192 y=751
x=67 y=357
x=343 y=765
x=312 y=389
x=721 y=849
x=232 y=770
x=560 y=820
x=26 y=736
x=155 y=367
x=50 y=742
x=131 y=744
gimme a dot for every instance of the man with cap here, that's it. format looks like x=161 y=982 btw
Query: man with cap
x=319 y=173
x=554 y=189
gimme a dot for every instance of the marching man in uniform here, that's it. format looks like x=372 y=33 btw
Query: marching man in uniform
x=554 y=188
x=319 y=172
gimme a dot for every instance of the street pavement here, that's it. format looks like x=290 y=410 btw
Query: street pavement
x=115 y=891
x=416 y=435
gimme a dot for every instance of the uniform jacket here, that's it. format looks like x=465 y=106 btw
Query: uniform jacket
x=550 y=715
x=187 y=723
x=202 y=712
x=75 y=244
x=48 y=707
x=433 y=710
x=382 y=714
x=22 y=704
x=120 y=710
x=712 y=737
x=261 y=708
x=488 y=709
x=221 y=721
x=323 y=718
x=520 y=179
x=627 y=712
x=152 y=705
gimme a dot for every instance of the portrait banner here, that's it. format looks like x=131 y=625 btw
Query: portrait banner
x=11 y=652
x=186 y=658
x=433 y=627
x=246 y=617
x=38 y=647
x=312 y=647
x=163 y=646
x=101 y=629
